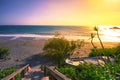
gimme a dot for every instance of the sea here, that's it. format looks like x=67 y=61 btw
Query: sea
x=46 y=32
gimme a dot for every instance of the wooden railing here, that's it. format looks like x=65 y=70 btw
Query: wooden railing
x=19 y=71
x=53 y=73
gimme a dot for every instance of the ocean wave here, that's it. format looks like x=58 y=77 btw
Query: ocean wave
x=47 y=36
x=16 y=36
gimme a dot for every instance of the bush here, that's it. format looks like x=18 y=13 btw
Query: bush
x=117 y=54
x=69 y=71
x=113 y=52
x=8 y=71
x=5 y=72
x=102 y=52
x=92 y=72
x=4 y=52
x=59 y=48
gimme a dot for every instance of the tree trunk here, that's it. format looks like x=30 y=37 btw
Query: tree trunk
x=102 y=46
x=100 y=40
x=93 y=44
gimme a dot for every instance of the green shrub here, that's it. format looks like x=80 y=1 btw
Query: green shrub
x=59 y=48
x=117 y=54
x=4 y=73
x=113 y=52
x=69 y=71
x=4 y=52
x=8 y=71
x=92 y=72
x=102 y=52
x=18 y=77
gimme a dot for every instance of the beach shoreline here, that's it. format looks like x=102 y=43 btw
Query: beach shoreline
x=29 y=50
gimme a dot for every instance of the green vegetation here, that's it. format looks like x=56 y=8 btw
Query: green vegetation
x=4 y=52
x=95 y=72
x=8 y=71
x=57 y=49
x=101 y=52
x=92 y=37
x=97 y=32
x=92 y=72
x=112 y=52
x=116 y=55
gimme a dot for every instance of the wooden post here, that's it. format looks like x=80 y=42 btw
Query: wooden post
x=45 y=72
x=22 y=73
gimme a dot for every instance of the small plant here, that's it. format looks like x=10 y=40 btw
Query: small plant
x=92 y=37
x=116 y=54
x=111 y=52
x=99 y=52
x=86 y=72
x=4 y=52
x=8 y=71
x=57 y=49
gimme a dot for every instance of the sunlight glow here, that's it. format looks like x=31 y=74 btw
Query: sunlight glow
x=112 y=1
x=110 y=33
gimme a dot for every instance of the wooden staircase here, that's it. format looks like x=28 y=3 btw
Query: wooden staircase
x=33 y=74
x=37 y=73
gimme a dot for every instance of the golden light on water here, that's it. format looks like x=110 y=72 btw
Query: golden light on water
x=110 y=33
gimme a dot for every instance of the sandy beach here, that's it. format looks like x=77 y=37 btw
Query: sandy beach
x=23 y=51
x=28 y=51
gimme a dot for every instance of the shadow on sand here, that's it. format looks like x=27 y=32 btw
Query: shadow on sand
x=35 y=60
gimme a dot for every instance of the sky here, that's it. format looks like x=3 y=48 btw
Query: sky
x=60 y=12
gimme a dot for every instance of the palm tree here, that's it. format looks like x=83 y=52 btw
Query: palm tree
x=96 y=29
x=92 y=37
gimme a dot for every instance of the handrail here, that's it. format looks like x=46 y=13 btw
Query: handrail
x=54 y=73
x=12 y=76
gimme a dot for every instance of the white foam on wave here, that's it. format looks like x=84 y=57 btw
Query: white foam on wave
x=37 y=37
x=70 y=37
x=16 y=36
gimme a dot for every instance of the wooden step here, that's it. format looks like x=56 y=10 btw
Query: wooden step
x=33 y=74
